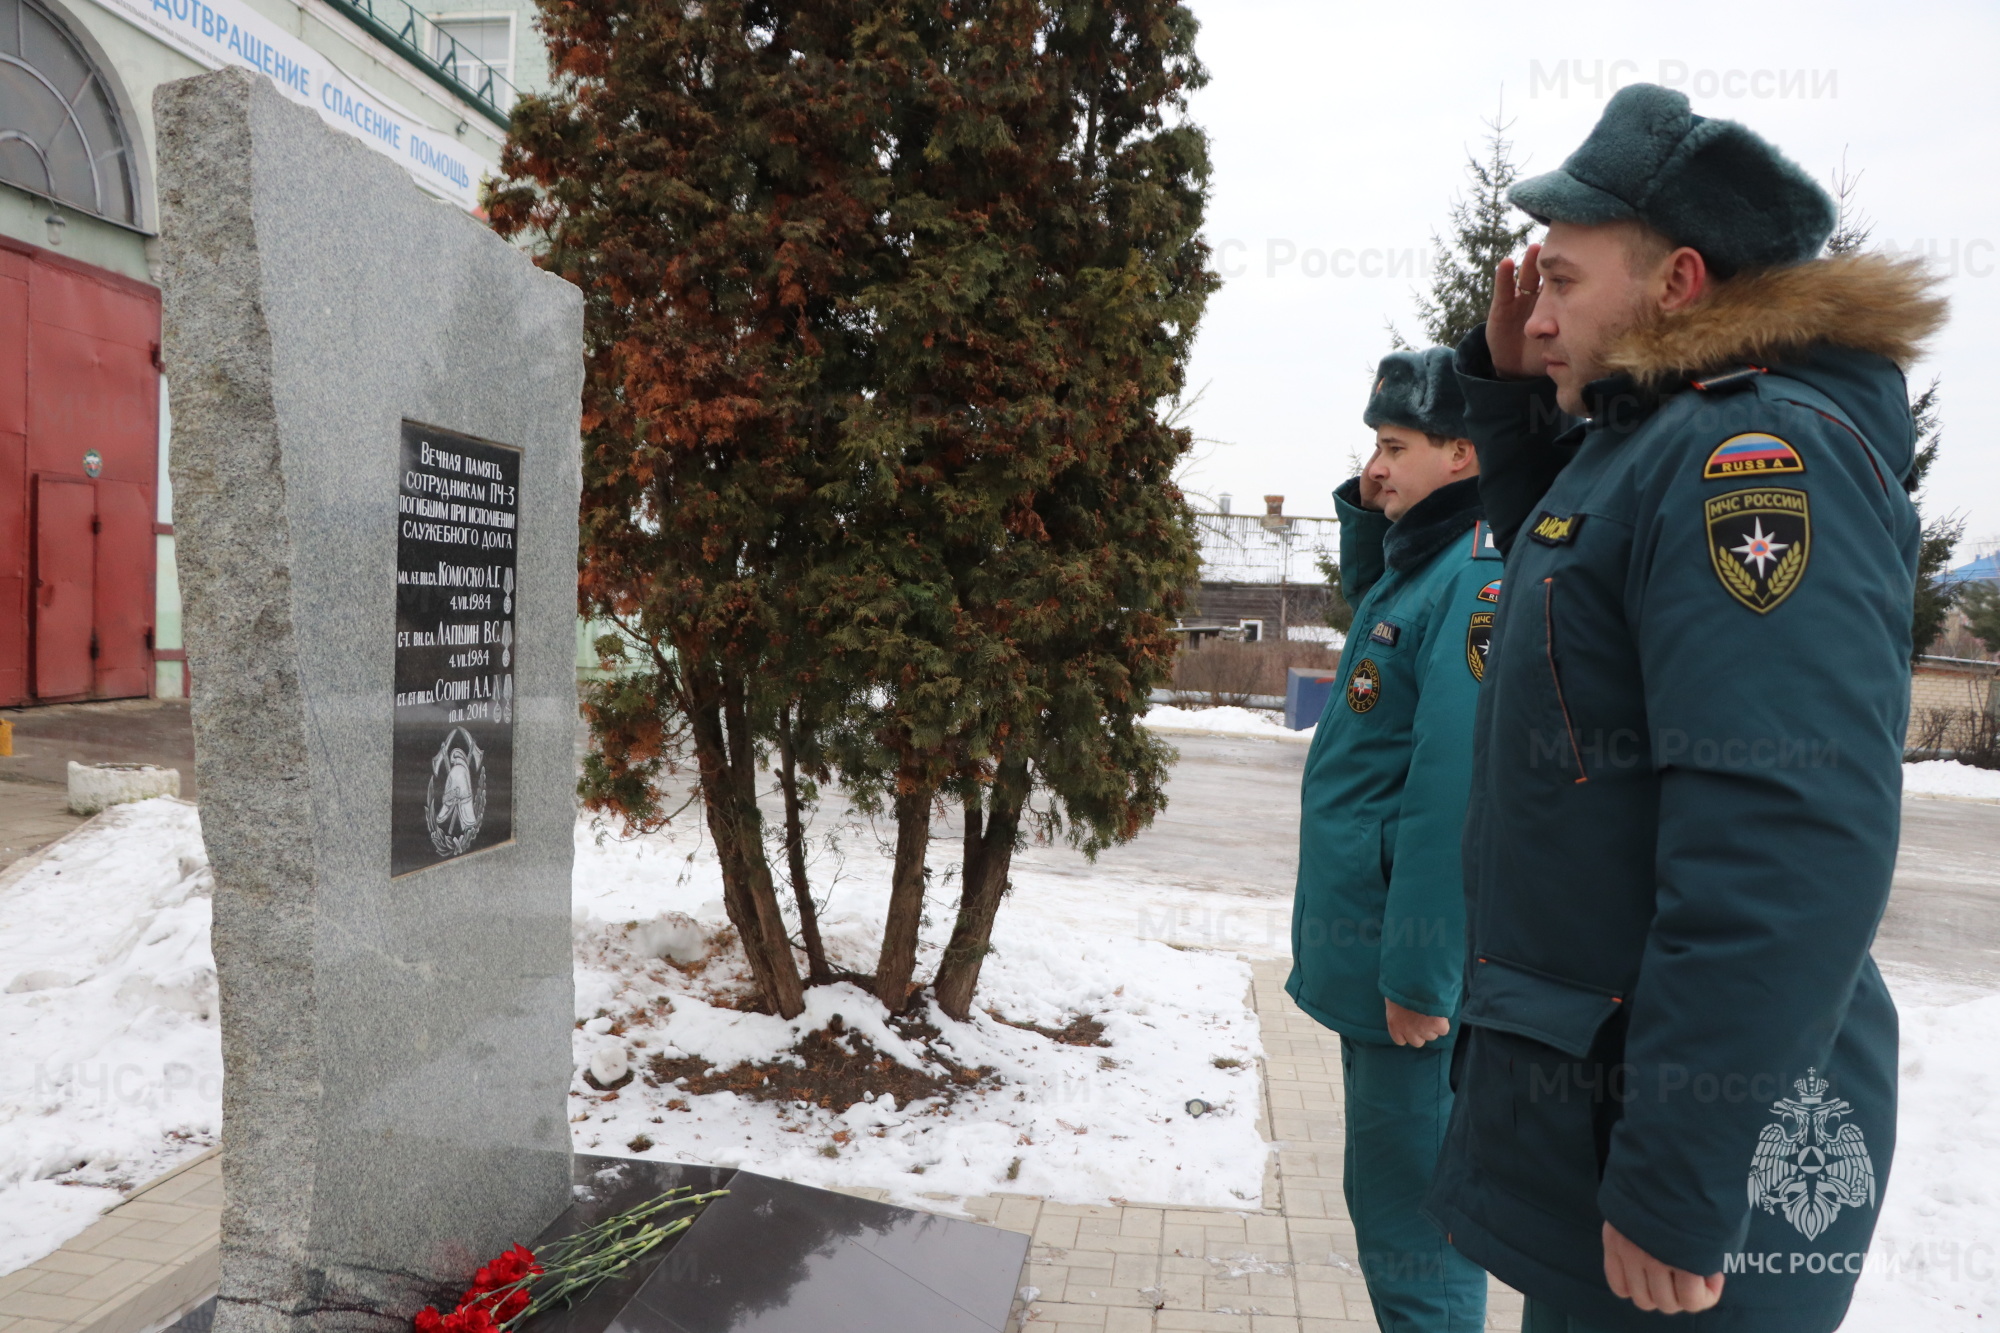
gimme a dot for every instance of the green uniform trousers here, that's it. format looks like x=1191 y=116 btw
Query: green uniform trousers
x=1398 y=1103
x=1541 y=1317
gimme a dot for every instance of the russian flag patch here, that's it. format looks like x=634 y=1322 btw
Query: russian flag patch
x=1753 y=454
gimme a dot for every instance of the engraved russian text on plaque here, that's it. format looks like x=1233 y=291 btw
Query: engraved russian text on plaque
x=453 y=791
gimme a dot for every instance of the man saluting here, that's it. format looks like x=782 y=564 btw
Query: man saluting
x=1676 y=1078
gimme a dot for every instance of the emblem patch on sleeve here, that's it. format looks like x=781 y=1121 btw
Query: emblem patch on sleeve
x=1479 y=643
x=1555 y=529
x=1364 y=687
x=1491 y=592
x=1753 y=454
x=1759 y=542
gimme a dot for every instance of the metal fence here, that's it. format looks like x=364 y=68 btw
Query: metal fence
x=420 y=41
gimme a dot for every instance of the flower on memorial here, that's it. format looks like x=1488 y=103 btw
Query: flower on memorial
x=519 y=1282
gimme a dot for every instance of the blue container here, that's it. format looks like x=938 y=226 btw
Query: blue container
x=1306 y=691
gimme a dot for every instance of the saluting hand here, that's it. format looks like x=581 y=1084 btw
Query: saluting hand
x=1515 y=289
x=1651 y=1285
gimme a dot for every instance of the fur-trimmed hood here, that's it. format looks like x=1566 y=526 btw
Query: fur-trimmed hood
x=1866 y=302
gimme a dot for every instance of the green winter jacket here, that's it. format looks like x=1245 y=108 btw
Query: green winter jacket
x=1684 y=813
x=1379 y=911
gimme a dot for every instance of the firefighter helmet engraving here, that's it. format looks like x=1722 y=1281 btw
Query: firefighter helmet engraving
x=455 y=800
x=1807 y=1165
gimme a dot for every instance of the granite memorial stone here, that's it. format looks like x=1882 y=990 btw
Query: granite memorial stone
x=375 y=466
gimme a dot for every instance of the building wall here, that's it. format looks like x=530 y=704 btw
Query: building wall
x=1952 y=704
x=1278 y=605
x=1969 y=688
x=134 y=59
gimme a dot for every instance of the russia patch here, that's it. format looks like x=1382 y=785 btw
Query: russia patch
x=1751 y=454
x=1385 y=634
x=1491 y=592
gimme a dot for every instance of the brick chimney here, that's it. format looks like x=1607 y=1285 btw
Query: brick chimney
x=1274 y=519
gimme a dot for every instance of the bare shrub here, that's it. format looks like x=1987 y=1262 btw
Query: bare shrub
x=1968 y=735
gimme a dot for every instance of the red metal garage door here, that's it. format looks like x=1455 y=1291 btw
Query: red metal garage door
x=79 y=439
x=65 y=580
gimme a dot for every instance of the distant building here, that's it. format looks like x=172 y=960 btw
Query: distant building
x=1982 y=568
x=1954 y=709
x=1260 y=574
x=89 y=601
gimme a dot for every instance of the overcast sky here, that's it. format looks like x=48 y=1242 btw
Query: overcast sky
x=1339 y=134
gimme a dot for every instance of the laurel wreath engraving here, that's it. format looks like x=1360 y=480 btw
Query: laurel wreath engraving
x=1787 y=573
x=1734 y=576
x=1737 y=578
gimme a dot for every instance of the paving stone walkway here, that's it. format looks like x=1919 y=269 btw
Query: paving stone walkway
x=1288 y=1267
x=140 y=1266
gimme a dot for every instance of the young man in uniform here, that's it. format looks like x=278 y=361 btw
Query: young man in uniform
x=1378 y=926
x=1676 y=1078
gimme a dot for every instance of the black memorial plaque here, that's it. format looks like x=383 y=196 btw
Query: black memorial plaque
x=454 y=736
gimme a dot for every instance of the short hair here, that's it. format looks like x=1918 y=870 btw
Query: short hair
x=1645 y=247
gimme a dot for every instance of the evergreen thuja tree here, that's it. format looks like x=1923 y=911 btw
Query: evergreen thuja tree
x=1102 y=545
x=1484 y=230
x=1935 y=592
x=707 y=176
x=1021 y=547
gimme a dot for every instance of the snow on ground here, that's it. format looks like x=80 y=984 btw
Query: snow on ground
x=110 y=1063
x=111 y=1067
x=110 y=1059
x=1936 y=1253
x=1226 y=720
x=1074 y=1123
x=1948 y=777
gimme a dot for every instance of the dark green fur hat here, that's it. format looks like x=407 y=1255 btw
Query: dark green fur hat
x=1710 y=184
x=1418 y=390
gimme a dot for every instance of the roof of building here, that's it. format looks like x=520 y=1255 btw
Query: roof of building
x=1986 y=567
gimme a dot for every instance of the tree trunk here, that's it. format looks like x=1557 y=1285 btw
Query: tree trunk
x=729 y=798
x=906 y=900
x=989 y=855
x=817 y=972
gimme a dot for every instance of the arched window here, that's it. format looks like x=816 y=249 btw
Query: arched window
x=61 y=136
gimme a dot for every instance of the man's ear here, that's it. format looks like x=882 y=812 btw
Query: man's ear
x=1683 y=279
x=1464 y=458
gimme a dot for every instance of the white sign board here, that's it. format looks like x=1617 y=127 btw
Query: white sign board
x=228 y=32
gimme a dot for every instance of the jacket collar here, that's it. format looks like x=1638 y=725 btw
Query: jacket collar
x=1867 y=301
x=1432 y=524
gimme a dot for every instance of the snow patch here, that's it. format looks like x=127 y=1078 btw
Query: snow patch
x=1948 y=777
x=1081 y=1124
x=1937 y=1243
x=1226 y=720
x=110 y=1058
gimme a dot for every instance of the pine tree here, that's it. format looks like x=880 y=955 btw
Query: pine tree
x=1485 y=229
x=1935 y=592
x=1339 y=611
x=1980 y=600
